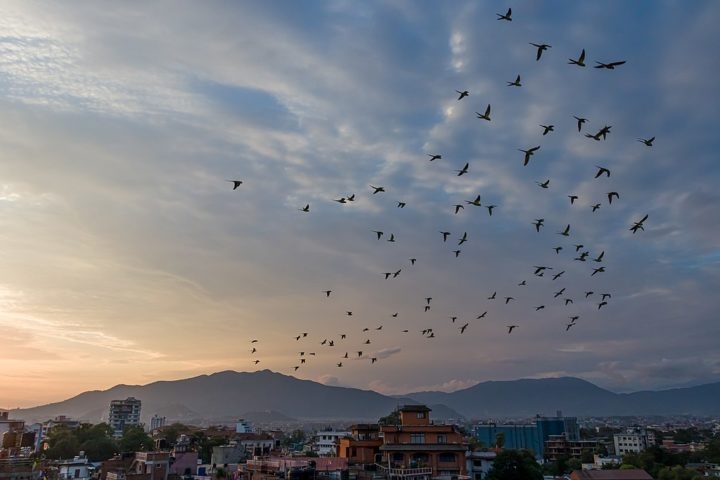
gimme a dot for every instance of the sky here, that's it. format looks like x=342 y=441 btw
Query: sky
x=127 y=257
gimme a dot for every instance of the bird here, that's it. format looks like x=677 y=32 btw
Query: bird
x=392 y=238
x=572 y=198
x=351 y=198
x=339 y=364
x=540 y=49
x=475 y=202
x=256 y=362
x=597 y=270
x=559 y=292
x=296 y=367
x=373 y=360
x=522 y=284
x=236 y=183
x=602 y=171
x=557 y=250
x=492 y=297
x=516 y=83
x=340 y=200
x=453 y=318
x=297 y=338
x=367 y=342
x=490 y=208
x=434 y=156
x=254 y=350
x=458 y=207
x=601 y=304
x=558 y=275
x=401 y=204
x=342 y=336
x=599 y=257
x=486 y=115
x=463 y=239
x=360 y=353
x=610 y=196
x=306 y=208
x=595 y=207
x=348 y=313
x=566 y=232
x=540 y=307
x=482 y=315
x=588 y=293
x=507 y=299
x=529 y=153
x=605 y=295
x=253 y=341
x=445 y=235
x=580 y=62
x=538 y=223
x=327 y=293
x=638 y=225
x=547 y=129
x=396 y=273
x=457 y=253
x=394 y=315
x=427 y=307
x=539 y=269
x=568 y=300
x=511 y=328
x=463 y=170
x=412 y=261
x=574 y=318
x=507 y=16
x=378 y=233
x=567 y=327
x=377 y=189
x=463 y=94
x=610 y=65
x=378 y=327
x=580 y=121
x=578 y=247
x=647 y=141
x=544 y=184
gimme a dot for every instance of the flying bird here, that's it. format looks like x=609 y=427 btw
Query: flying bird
x=609 y=66
x=567 y=327
x=572 y=198
x=507 y=299
x=605 y=295
x=463 y=239
x=490 y=208
x=459 y=207
x=599 y=257
x=327 y=294
x=559 y=292
x=647 y=141
x=540 y=49
x=516 y=83
x=580 y=62
x=610 y=196
x=377 y=189
x=463 y=94
x=378 y=233
x=445 y=235
x=557 y=250
x=595 y=207
x=306 y=208
x=538 y=223
x=464 y=170
x=511 y=328
x=588 y=293
x=457 y=253
x=601 y=171
x=462 y=329
x=580 y=121
x=558 y=275
x=547 y=129
x=566 y=232
x=482 y=315
x=540 y=307
x=638 y=225
x=236 y=183
x=568 y=300
x=434 y=156
x=529 y=153
x=601 y=304
x=392 y=237
x=351 y=198
x=507 y=16
x=486 y=115
x=544 y=184
x=597 y=270
x=401 y=204
x=492 y=297
x=475 y=202
x=412 y=261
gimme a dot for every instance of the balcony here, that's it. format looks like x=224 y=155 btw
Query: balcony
x=405 y=473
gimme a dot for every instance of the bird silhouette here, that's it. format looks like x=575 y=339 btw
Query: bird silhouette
x=544 y=184
x=588 y=293
x=486 y=115
x=580 y=122
x=516 y=83
x=580 y=62
x=599 y=257
x=351 y=198
x=401 y=204
x=610 y=65
x=475 y=202
x=256 y=362
x=601 y=304
x=327 y=293
x=457 y=253
x=306 y=208
x=434 y=157
x=377 y=189
x=340 y=200
x=610 y=196
x=568 y=301
x=492 y=297
x=541 y=47
x=595 y=207
x=559 y=292
x=459 y=207
x=572 y=198
x=557 y=250
x=647 y=141
x=605 y=295
x=445 y=235
x=507 y=299
x=392 y=238
x=378 y=233
x=538 y=223
x=490 y=208
x=463 y=94
x=412 y=261
x=463 y=239
x=463 y=170
x=507 y=16
x=462 y=329
x=482 y=315
x=566 y=232
x=511 y=328
x=638 y=225
x=339 y=364
x=558 y=275
x=547 y=129
x=529 y=153
x=568 y=326
x=236 y=183
x=597 y=270
x=540 y=307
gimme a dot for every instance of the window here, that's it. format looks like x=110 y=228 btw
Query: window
x=446 y=458
x=420 y=414
x=417 y=438
x=441 y=438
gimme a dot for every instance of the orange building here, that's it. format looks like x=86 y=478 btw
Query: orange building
x=417 y=448
x=362 y=447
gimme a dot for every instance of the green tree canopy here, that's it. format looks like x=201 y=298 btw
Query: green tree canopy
x=135 y=439
x=515 y=465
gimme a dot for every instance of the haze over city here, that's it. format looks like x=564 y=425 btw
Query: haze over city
x=130 y=256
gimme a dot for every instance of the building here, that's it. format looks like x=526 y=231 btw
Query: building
x=124 y=413
x=183 y=460
x=13 y=438
x=528 y=436
x=325 y=443
x=362 y=446
x=634 y=439
x=19 y=469
x=143 y=466
x=157 y=422
x=417 y=449
x=78 y=468
x=242 y=426
x=479 y=464
x=632 y=474
x=558 y=446
x=42 y=430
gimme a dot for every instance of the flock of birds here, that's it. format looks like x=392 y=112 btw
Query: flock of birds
x=580 y=253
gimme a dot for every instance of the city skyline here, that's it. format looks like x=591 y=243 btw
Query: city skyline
x=130 y=256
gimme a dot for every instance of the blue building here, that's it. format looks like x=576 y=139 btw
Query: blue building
x=529 y=437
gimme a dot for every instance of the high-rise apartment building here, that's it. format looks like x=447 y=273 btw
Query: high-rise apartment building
x=124 y=413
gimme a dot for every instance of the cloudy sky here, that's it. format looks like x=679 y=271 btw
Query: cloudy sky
x=127 y=257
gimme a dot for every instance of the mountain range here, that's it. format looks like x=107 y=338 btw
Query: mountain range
x=223 y=396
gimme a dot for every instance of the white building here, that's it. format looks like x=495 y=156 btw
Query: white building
x=326 y=442
x=243 y=426
x=479 y=464
x=157 y=422
x=124 y=413
x=633 y=440
x=79 y=468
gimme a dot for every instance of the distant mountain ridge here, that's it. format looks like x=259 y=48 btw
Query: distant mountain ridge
x=223 y=396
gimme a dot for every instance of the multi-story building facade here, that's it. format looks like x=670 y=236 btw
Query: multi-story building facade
x=362 y=446
x=326 y=442
x=634 y=439
x=157 y=422
x=124 y=413
x=418 y=449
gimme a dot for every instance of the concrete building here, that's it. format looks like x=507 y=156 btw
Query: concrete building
x=362 y=446
x=42 y=430
x=479 y=464
x=124 y=413
x=157 y=422
x=634 y=439
x=325 y=443
x=78 y=468
x=633 y=474
x=243 y=426
x=19 y=469
x=417 y=449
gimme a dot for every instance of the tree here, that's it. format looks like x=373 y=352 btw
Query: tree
x=515 y=465
x=392 y=419
x=62 y=443
x=135 y=439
